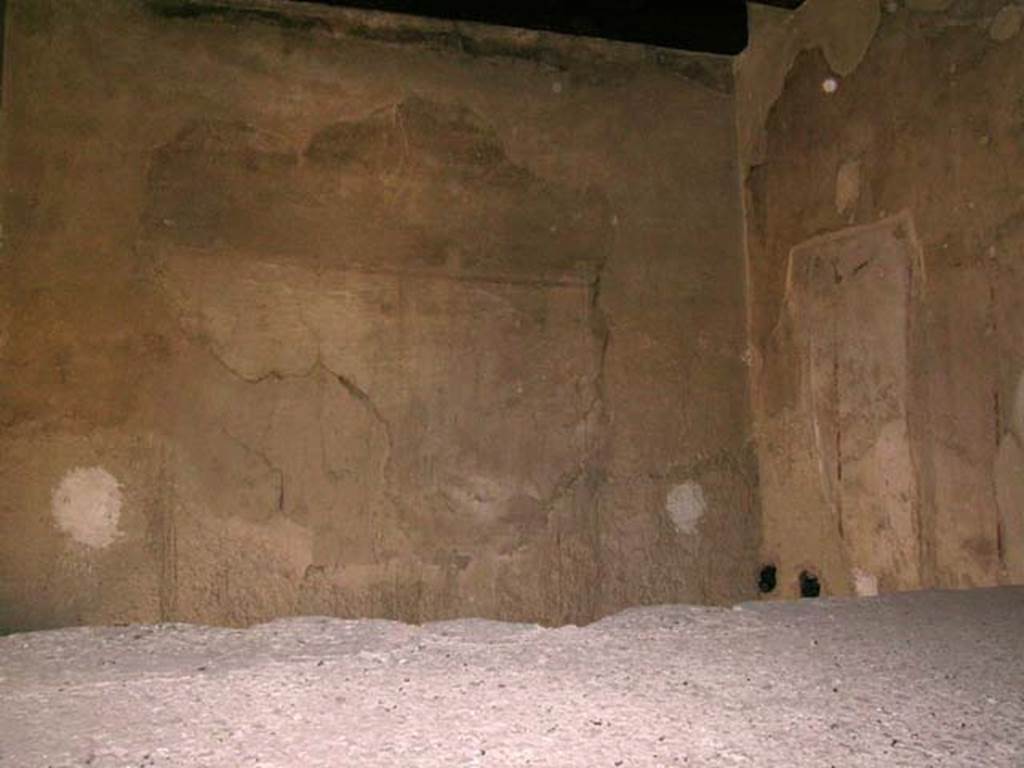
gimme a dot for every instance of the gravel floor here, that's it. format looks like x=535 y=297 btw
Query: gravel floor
x=926 y=679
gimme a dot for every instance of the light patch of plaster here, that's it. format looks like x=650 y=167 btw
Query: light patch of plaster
x=686 y=506
x=1007 y=23
x=848 y=186
x=87 y=506
x=865 y=584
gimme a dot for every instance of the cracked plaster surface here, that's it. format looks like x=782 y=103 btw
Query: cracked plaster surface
x=953 y=172
x=434 y=340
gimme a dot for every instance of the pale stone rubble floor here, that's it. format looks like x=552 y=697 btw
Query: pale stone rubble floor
x=928 y=679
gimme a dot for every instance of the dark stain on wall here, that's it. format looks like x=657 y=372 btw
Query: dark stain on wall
x=411 y=186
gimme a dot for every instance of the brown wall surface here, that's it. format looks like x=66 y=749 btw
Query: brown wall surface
x=886 y=261
x=310 y=311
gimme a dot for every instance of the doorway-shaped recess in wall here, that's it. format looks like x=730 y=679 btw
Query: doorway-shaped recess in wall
x=852 y=298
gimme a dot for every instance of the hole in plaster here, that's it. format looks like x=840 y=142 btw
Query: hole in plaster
x=809 y=584
x=768 y=579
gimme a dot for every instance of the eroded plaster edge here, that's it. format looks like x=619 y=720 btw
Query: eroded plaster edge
x=842 y=29
x=552 y=49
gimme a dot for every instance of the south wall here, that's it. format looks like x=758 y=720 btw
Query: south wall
x=321 y=312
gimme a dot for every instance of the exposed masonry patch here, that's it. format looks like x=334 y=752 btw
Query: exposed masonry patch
x=686 y=506
x=87 y=506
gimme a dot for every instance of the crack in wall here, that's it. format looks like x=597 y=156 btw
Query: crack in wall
x=365 y=402
x=265 y=460
x=600 y=328
x=590 y=469
x=356 y=392
x=594 y=412
x=363 y=398
x=272 y=374
x=837 y=399
x=563 y=487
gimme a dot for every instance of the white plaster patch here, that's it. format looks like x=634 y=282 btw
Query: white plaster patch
x=686 y=506
x=87 y=506
x=865 y=584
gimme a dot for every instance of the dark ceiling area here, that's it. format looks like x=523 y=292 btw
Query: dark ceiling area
x=711 y=26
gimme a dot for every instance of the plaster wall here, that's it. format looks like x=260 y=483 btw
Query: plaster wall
x=907 y=158
x=313 y=311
